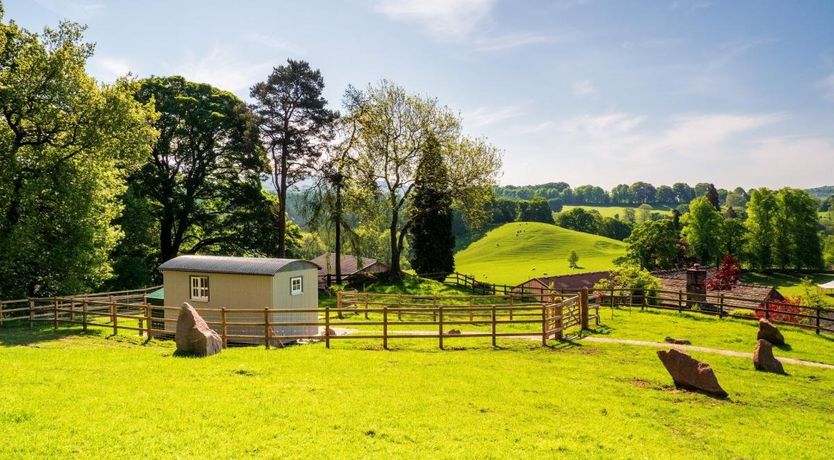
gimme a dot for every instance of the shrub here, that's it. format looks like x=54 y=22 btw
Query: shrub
x=783 y=311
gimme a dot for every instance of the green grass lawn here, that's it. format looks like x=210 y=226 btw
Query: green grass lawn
x=709 y=331
x=516 y=252
x=611 y=211
x=788 y=283
x=68 y=394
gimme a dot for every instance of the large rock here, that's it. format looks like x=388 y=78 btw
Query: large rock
x=691 y=374
x=768 y=331
x=764 y=360
x=193 y=334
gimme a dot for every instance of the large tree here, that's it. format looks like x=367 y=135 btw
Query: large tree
x=295 y=127
x=654 y=245
x=393 y=129
x=66 y=143
x=431 y=238
x=702 y=229
x=203 y=176
x=761 y=213
x=797 y=242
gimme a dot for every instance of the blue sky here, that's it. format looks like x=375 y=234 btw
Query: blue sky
x=585 y=91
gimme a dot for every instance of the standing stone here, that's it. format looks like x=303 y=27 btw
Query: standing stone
x=763 y=358
x=768 y=331
x=193 y=334
x=691 y=374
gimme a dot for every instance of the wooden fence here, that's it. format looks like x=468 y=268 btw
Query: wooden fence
x=818 y=319
x=386 y=317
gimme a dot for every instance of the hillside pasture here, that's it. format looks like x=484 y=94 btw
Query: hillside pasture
x=612 y=211
x=516 y=252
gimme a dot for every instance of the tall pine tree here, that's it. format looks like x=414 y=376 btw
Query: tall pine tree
x=432 y=241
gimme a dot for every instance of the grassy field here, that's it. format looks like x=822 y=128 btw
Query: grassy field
x=68 y=394
x=788 y=283
x=611 y=211
x=516 y=252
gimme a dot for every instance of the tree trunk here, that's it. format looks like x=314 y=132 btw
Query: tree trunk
x=282 y=205
x=394 y=266
x=338 y=218
x=166 y=236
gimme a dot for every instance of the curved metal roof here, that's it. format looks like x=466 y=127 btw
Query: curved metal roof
x=239 y=265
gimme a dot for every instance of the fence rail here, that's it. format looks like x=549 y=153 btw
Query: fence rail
x=386 y=317
x=719 y=304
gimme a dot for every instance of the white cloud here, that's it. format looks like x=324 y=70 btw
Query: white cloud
x=827 y=86
x=223 y=68
x=511 y=41
x=442 y=18
x=272 y=42
x=601 y=126
x=483 y=116
x=583 y=88
x=793 y=160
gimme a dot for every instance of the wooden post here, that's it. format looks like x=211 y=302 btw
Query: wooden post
x=266 y=327
x=72 y=311
x=148 y=317
x=544 y=325
x=767 y=309
x=84 y=315
x=223 y=333
x=512 y=302
x=720 y=306
x=327 y=327
x=31 y=312
x=55 y=315
x=367 y=296
x=559 y=311
x=440 y=326
x=818 y=319
x=399 y=305
x=385 y=327
x=493 y=325
x=114 y=317
x=583 y=308
x=434 y=309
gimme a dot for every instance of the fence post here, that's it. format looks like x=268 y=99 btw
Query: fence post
x=31 y=312
x=84 y=315
x=55 y=315
x=818 y=319
x=367 y=297
x=720 y=306
x=114 y=317
x=148 y=317
x=223 y=334
x=440 y=326
x=559 y=311
x=434 y=310
x=493 y=325
x=512 y=303
x=544 y=325
x=327 y=327
x=399 y=306
x=767 y=310
x=385 y=327
x=266 y=327
x=583 y=308
x=72 y=311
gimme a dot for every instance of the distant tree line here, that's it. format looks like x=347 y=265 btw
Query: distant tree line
x=558 y=194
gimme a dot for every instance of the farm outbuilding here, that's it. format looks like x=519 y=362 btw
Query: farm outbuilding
x=235 y=283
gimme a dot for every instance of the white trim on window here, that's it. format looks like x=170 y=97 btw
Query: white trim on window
x=199 y=288
x=296 y=285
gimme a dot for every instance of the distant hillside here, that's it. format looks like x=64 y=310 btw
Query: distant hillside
x=821 y=192
x=516 y=252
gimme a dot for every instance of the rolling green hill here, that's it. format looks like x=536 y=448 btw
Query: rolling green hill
x=516 y=252
x=611 y=211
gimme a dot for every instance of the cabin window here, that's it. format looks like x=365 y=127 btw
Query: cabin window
x=296 y=285
x=200 y=288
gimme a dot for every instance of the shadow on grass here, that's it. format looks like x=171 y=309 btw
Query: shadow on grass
x=25 y=335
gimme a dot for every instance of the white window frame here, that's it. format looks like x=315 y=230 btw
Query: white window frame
x=300 y=290
x=198 y=288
